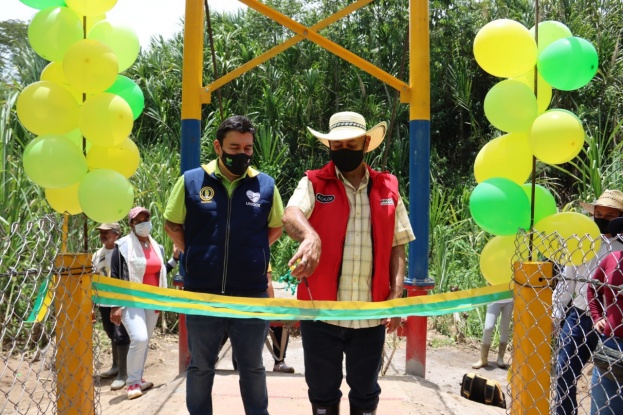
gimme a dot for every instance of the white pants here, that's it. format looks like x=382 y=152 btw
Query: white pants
x=140 y=324
x=493 y=311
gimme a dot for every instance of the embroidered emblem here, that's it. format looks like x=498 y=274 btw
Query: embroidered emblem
x=206 y=194
x=324 y=198
x=387 y=202
x=253 y=197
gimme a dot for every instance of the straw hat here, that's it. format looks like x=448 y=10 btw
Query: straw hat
x=610 y=198
x=348 y=125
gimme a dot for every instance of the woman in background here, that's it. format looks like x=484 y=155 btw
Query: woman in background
x=138 y=258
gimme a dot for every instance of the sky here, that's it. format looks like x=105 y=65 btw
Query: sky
x=146 y=17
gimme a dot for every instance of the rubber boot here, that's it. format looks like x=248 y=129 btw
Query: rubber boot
x=500 y=361
x=115 y=362
x=484 y=357
x=356 y=411
x=122 y=376
x=326 y=410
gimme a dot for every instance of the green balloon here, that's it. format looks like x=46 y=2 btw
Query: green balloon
x=43 y=4
x=544 y=205
x=53 y=161
x=568 y=64
x=130 y=92
x=105 y=195
x=52 y=31
x=500 y=206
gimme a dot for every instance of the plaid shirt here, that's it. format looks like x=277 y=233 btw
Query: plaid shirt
x=356 y=277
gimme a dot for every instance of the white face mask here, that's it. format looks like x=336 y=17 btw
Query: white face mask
x=142 y=229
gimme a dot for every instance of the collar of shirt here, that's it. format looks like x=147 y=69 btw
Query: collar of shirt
x=364 y=181
x=213 y=168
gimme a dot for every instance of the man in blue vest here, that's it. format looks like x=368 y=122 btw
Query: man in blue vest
x=224 y=216
x=357 y=216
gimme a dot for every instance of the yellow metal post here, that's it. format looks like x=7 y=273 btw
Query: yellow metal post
x=532 y=333
x=74 y=335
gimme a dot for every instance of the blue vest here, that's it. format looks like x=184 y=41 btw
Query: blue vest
x=226 y=238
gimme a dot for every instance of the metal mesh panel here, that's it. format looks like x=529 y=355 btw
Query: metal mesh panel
x=45 y=320
x=558 y=364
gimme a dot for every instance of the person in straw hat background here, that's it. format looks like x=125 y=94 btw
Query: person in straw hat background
x=578 y=339
x=353 y=227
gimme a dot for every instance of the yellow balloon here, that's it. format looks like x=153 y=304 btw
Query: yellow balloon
x=508 y=156
x=498 y=256
x=505 y=48
x=123 y=158
x=54 y=72
x=53 y=30
x=90 y=66
x=568 y=238
x=53 y=161
x=123 y=40
x=511 y=106
x=93 y=20
x=549 y=32
x=106 y=119
x=544 y=90
x=557 y=136
x=90 y=7
x=46 y=107
x=75 y=136
x=64 y=199
x=105 y=196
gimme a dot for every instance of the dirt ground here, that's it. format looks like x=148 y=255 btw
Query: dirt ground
x=437 y=394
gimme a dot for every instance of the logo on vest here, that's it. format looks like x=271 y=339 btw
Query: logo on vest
x=254 y=198
x=324 y=198
x=387 y=202
x=206 y=194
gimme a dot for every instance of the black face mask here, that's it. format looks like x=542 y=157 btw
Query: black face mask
x=602 y=224
x=346 y=160
x=236 y=163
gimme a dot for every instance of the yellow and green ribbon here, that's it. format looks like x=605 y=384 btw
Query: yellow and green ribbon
x=114 y=292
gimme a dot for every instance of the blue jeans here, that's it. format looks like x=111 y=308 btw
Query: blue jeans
x=247 y=338
x=577 y=343
x=607 y=393
x=324 y=346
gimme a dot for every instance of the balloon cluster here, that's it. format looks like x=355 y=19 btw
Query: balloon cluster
x=501 y=202
x=82 y=110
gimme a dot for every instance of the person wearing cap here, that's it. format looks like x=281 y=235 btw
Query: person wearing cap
x=224 y=216
x=120 y=341
x=577 y=339
x=352 y=227
x=606 y=306
x=138 y=258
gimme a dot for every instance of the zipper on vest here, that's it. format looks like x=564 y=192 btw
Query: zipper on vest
x=229 y=199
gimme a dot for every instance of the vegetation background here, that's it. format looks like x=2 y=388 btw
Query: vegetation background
x=305 y=84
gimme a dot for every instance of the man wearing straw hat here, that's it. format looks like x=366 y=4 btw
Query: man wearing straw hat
x=353 y=227
x=578 y=339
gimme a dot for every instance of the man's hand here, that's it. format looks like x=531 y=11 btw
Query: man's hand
x=115 y=315
x=392 y=324
x=307 y=257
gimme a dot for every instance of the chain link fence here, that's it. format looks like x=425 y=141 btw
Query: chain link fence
x=567 y=326
x=46 y=329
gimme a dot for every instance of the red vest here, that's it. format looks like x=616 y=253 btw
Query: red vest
x=330 y=219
